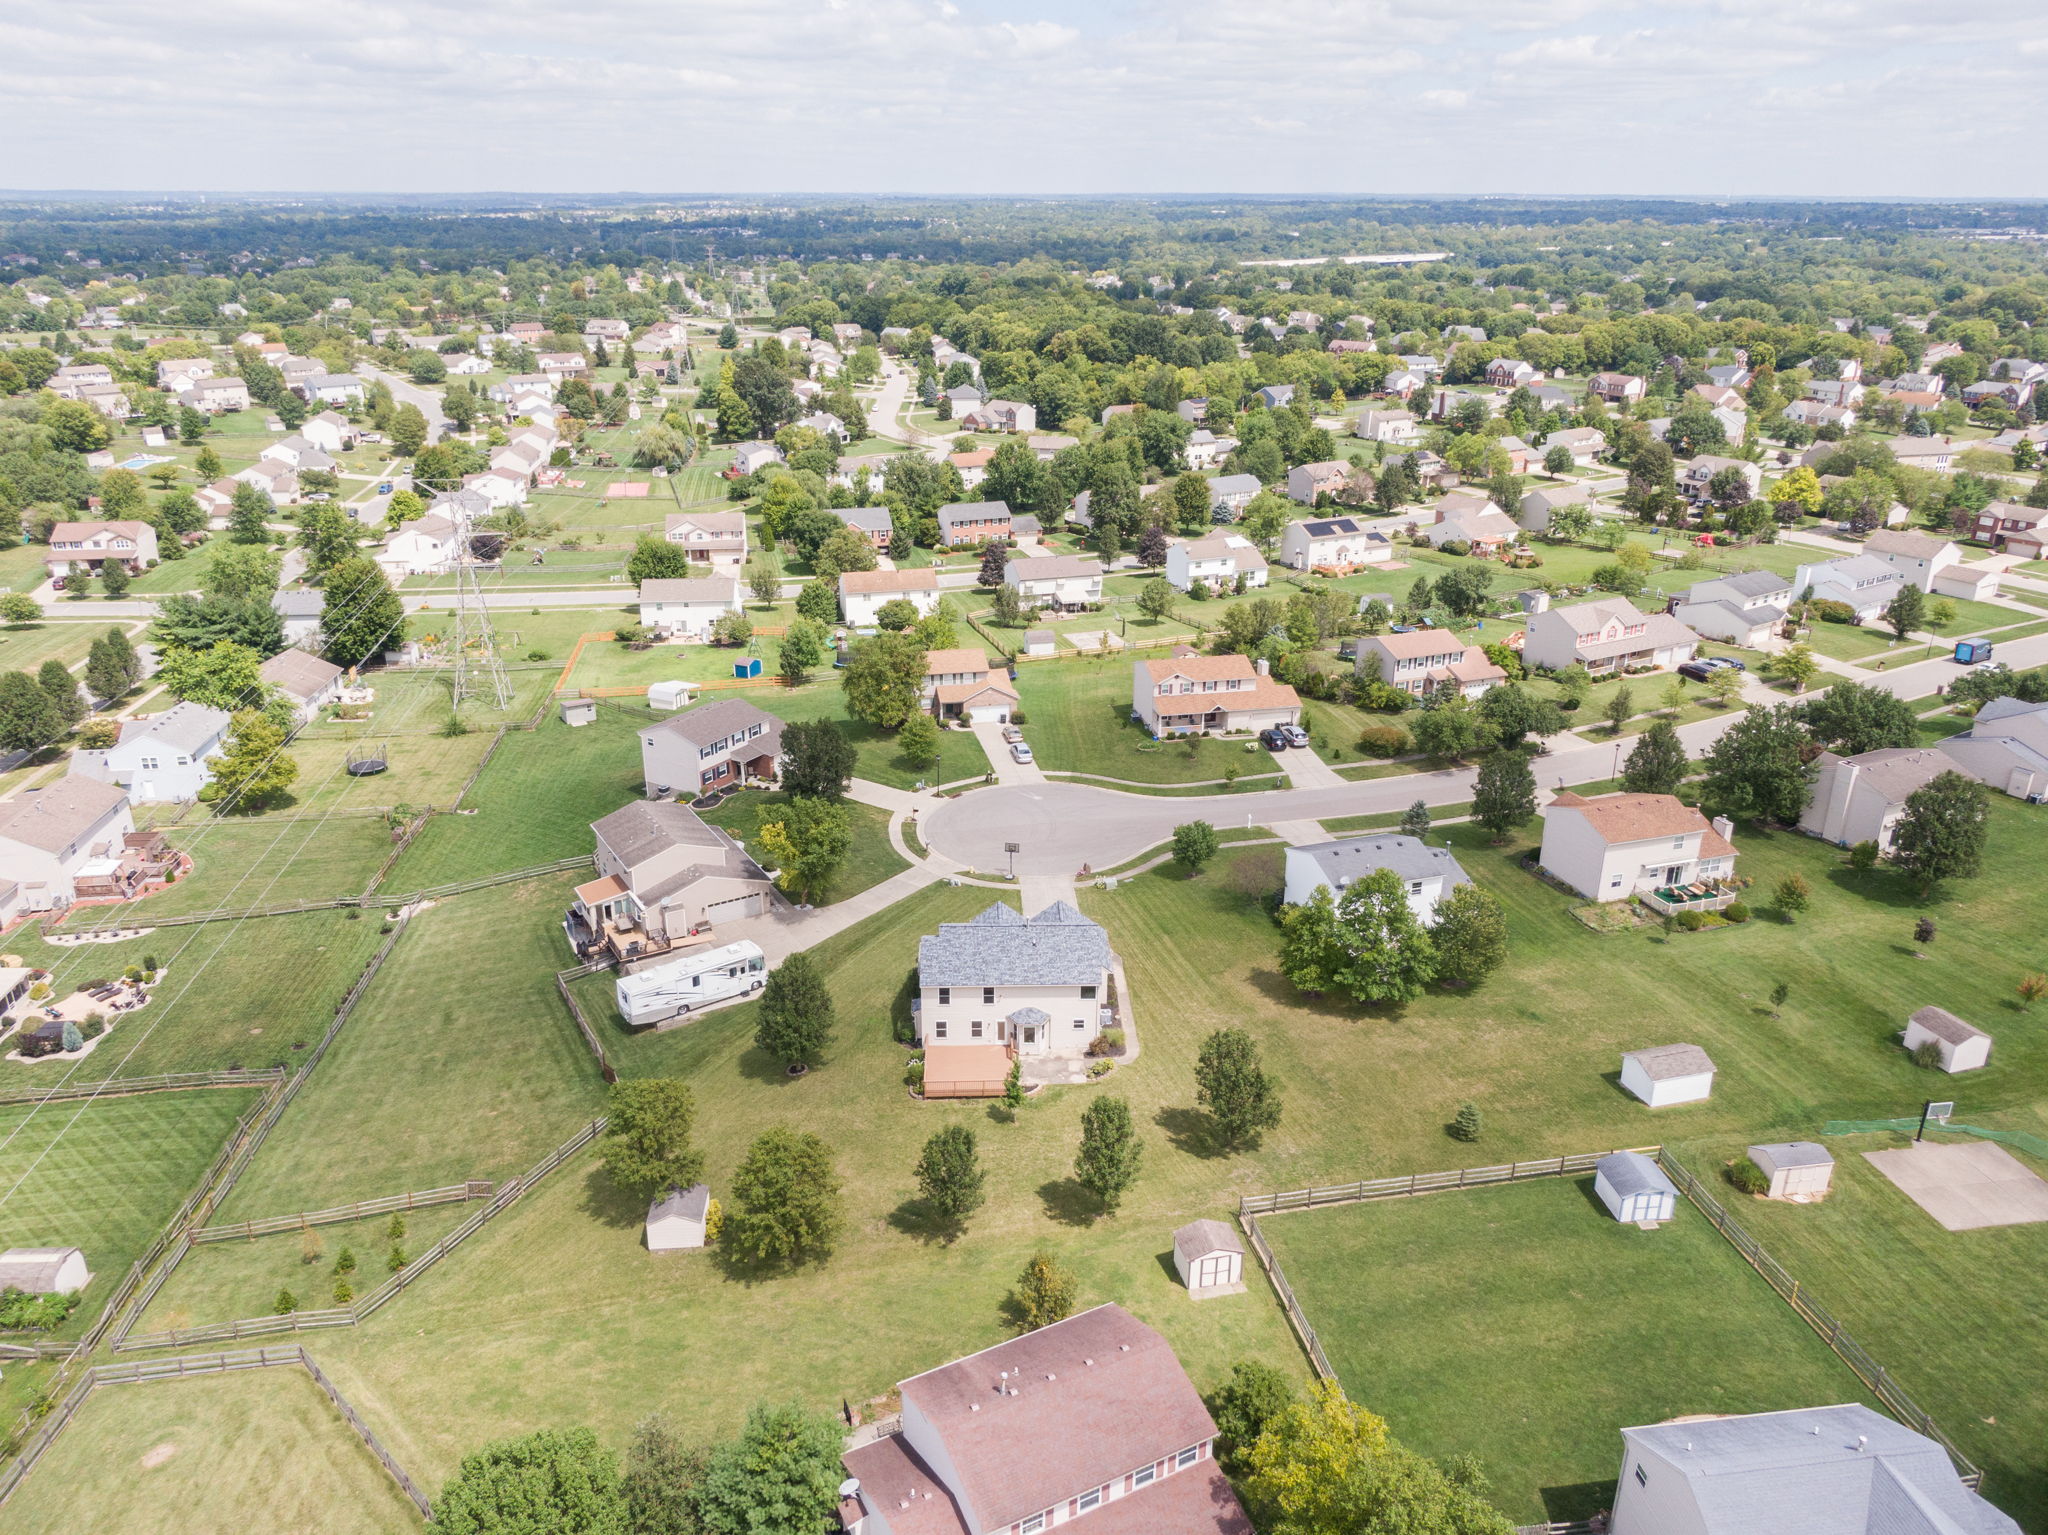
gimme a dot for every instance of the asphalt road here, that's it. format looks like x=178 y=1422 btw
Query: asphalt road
x=406 y=392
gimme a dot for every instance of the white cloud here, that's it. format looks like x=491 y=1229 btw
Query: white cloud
x=871 y=95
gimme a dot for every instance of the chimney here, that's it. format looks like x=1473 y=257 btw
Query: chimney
x=1725 y=827
x=1263 y=667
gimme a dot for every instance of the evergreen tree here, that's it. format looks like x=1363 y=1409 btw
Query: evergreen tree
x=1466 y=1126
x=1415 y=820
x=796 y=1013
x=1657 y=762
x=1107 y=1163
x=55 y=679
x=1045 y=1293
x=995 y=559
x=105 y=676
x=1505 y=795
x=123 y=650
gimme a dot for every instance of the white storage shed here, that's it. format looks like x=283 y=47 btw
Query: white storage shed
x=1964 y=1047
x=1209 y=1258
x=676 y=1221
x=670 y=696
x=44 y=1270
x=1668 y=1074
x=579 y=711
x=1798 y=1170
x=1634 y=1188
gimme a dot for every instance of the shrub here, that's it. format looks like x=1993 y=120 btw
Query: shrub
x=913 y=1075
x=1101 y=1068
x=345 y=1261
x=149 y=962
x=397 y=1260
x=344 y=1293
x=1863 y=856
x=1831 y=612
x=1736 y=912
x=1923 y=930
x=1927 y=1055
x=1747 y=1176
x=1016 y=716
x=1109 y=1042
x=285 y=1304
x=1454 y=546
x=1692 y=921
x=1467 y=1124
x=1384 y=741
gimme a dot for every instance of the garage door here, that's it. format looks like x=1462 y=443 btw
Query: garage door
x=733 y=910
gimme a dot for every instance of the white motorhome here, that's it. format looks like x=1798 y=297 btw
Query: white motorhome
x=691 y=981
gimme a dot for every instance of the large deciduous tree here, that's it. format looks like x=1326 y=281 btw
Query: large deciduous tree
x=1231 y=1083
x=554 y=1482
x=949 y=1175
x=647 y=1145
x=785 y=1199
x=781 y=1475
x=796 y=1012
x=361 y=615
x=1942 y=833
x=1504 y=795
x=1106 y=1165
x=808 y=839
x=1756 y=769
x=254 y=772
x=817 y=759
x=1471 y=935
x=883 y=677
x=1657 y=763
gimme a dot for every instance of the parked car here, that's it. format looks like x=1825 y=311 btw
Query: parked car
x=1272 y=739
x=1294 y=735
x=1700 y=668
x=1019 y=752
x=1012 y=734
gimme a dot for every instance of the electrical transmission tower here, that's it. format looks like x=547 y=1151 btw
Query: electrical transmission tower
x=479 y=672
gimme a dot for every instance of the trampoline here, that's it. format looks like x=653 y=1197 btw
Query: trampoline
x=367 y=759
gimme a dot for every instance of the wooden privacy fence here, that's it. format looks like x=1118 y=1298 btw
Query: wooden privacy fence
x=362 y=1309
x=1427 y=1183
x=454 y=1193
x=185 y=1367
x=1819 y=1318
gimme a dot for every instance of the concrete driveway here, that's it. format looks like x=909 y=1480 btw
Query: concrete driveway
x=1008 y=769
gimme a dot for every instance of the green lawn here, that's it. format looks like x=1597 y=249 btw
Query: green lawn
x=871 y=860
x=611 y=665
x=250 y=994
x=1848 y=642
x=105 y=1175
x=1875 y=1259
x=247 y=863
x=258 y=1450
x=1577 y=1325
x=1078 y=719
x=875 y=756
x=21 y=567
x=25 y=649
x=430 y=1083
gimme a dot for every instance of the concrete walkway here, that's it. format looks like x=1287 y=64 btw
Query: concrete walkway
x=1039 y=891
x=1300 y=833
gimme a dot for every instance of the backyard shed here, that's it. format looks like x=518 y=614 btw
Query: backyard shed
x=669 y=696
x=1209 y=1258
x=1040 y=642
x=1668 y=1074
x=44 y=1270
x=579 y=711
x=1797 y=1169
x=1634 y=1188
x=1964 y=1047
x=675 y=1222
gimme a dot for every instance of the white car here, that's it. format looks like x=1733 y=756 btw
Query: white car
x=1020 y=752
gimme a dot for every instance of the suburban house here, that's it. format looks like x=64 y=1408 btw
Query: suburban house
x=1612 y=846
x=968 y=523
x=871 y=522
x=2013 y=527
x=1732 y=375
x=1618 y=388
x=663 y=876
x=421 y=547
x=178 y=374
x=1743 y=609
x=1585 y=443
x=1696 y=474
x=1534 y=510
x=1720 y=397
x=1398 y=427
x=714 y=746
x=562 y=365
x=1403 y=382
x=1333 y=543
x=1217 y=560
x=1002 y=986
x=1507 y=372
x=1000 y=416
x=161 y=757
x=330 y=431
x=686 y=608
x=973 y=466
x=1305 y=482
x=1835 y=391
x=960 y=684
x=216 y=395
x=1935 y=565
x=863 y=592
x=1205 y=450
x=607 y=330
x=333 y=388
x=86 y=546
x=2005 y=748
x=1181 y=694
x=309 y=682
x=1860 y=798
x=277 y=478
x=1819 y=413
x=1424 y=660
x=1480 y=527
x=1607 y=636
x=1862 y=582
x=1848 y=1470
x=719 y=539
x=1046 y=446
x=301 y=612
x=1067 y=581
x=1938 y=453
x=1229 y=495
x=1090 y=1422
x=1275 y=396
x=54 y=839
x=751 y=458
x=1428 y=873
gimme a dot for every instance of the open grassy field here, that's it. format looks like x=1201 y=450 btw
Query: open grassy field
x=21 y=567
x=245 y=863
x=1577 y=1325
x=104 y=1175
x=258 y=1450
x=1078 y=719
x=1888 y=1270
x=432 y=1083
x=25 y=648
x=875 y=754
x=250 y=994
x=870 y=861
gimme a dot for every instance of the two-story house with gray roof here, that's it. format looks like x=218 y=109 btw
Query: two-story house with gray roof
x=161 y=757
x=1427 y=874
x=1743 y=609
x=713 y=746
x=663 y=876
x=1012 y=985
x=967 y=523
x=1861 y=582
x=51 y=838
x=1606 y=637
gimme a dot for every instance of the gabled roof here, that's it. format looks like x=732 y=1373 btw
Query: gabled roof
x=297 y=673
x=1630 y=1172
x=1943 y=1024
x=1056 y=947
x=1917 y=546
x=974 y=511
x=923 y=579
x=1774 y=1155
x=1639 y=817
x=1352 y=858
x=1332 y=527
x=1200 y=668
x=185 y=727
x=1661 y=1063
x=1894 y=771
x=727 y=717
x=56 y=817
x=1054 y=567
x=1198 y=1238
x=642 y=829
x=720 y=589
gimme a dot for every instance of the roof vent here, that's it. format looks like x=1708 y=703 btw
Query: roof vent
x=1013 y=1391
x=1123 y=1348
x=1087 y=1361
x=1862 y=1443
x=976 y=1407
x=1050 y=1376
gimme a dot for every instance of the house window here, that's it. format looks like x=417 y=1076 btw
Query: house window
x=1144 y=1475
x=1642 y=1476
x=1087 y=993
x=1677 y=842
x=1032 y=1525
x=988 y=995
x=149 y=764
x=1187 y=1457
x=1090 y=1499
x=945 y=995
x=974 y=1029
x=939 y=1029
x=1080 y=1023
x=1415 y=887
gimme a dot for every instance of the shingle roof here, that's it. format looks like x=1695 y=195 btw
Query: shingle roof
x=1943 y=1024
x=692 y=1203
x=922 y=579
x=56 y=817
x=1774 y=1155
x=640 y=830
x=1333 y=527
x=1205 y=1236
x=1056 y=947
x=727 y=717
x=1056 y=567
x=720 y=589
x=1094 y=1396
x=1200 y=668
x=1916 y=546
x=1233 y=485
x=1630 y=1172
x=1747 y=583
x=301 y=675
x=974 y=511
x=33 y=1269
x=1896 y=771
x=1352 y=858
x=185 y=727
x=1661 y=1063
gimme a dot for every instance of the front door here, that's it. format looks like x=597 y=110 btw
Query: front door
x=1030 y=1034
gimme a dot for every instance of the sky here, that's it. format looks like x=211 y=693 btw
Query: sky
x=1845 y=98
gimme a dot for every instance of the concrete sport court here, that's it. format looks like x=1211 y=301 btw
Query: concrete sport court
x=1965 y=1185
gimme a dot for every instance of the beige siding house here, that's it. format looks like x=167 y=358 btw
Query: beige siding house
x=1615 y=845
x=1184 y=694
